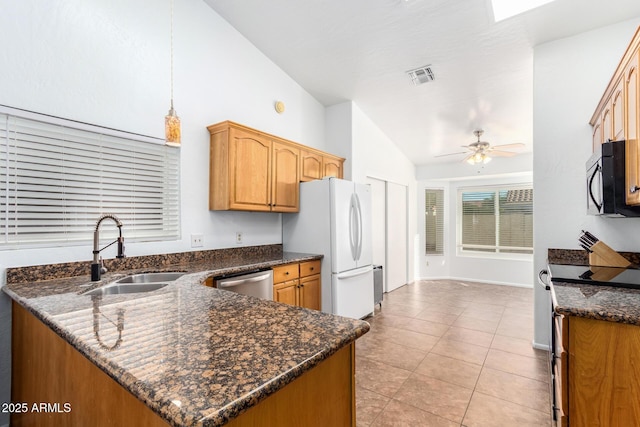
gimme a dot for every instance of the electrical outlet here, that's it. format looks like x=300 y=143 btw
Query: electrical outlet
x=239 y=237
x=197 y=240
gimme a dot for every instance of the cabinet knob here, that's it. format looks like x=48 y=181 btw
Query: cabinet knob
x=286 y=273
x=633 y=189
x=311 y=268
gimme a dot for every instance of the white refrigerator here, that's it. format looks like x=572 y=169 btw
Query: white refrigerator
x=335 y=220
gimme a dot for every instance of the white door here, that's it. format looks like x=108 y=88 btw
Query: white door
x=365 y=250
x=396 y=267
x=343 y=226
x=352 y=292
x=379 y=223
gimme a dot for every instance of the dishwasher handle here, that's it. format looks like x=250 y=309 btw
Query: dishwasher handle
x=232 y=283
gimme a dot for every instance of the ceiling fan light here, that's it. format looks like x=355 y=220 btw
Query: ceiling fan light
x=486 y=159
x=471 y=160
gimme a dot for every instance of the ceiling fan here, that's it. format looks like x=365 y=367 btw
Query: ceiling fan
x=482 y=152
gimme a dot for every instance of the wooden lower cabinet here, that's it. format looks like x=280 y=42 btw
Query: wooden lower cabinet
x=602 y=374
x=298 y=284
x=45 y=368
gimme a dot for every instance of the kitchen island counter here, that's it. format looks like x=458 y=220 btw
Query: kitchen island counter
x=196 y=356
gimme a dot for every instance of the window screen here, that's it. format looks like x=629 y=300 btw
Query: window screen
x=434 y=221
x=496 y=220
x=58 y=176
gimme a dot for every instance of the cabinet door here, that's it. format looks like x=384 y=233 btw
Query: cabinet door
x=310 y=292
x=632 y=136
x=310 y=166
x=285 y=190
x=617 y=112
x=331 y=166
x=250 y=165
x=597 y=136
x=606 y=123
x=286 y=292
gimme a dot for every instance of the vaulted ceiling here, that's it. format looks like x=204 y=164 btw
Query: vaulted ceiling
x=360 y=50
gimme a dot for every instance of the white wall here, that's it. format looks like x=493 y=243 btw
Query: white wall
x=107 y=63
x=570 y=76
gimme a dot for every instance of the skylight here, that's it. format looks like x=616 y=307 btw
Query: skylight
x=503 y=9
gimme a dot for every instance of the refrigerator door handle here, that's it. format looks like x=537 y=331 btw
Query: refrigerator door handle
x=352 y=240
x=354 y=273
x=359 y=211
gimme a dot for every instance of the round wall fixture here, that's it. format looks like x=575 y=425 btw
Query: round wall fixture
x=279 y=106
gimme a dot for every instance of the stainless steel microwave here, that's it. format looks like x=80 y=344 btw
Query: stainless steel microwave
x=606 y=182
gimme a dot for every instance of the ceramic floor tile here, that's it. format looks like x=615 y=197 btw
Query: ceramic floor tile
x=392 y=354
x=519 y=346
x=434 y=316
x=469 y=336
x=450 y=370
x=379 y=377
x=515 y=388
x=483 y=314
x=422 y=326
x=531 y=367
x=411 y=339
x=461 y=350
x=516 y=327
x=489 y=326
x=368 y=406
x=432 y=395
x=488 y=411
x=398 y=414
x=399 y=309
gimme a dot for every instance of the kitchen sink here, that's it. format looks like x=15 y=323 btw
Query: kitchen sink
x=126 y=288
x=136 y=283
x=151 y=277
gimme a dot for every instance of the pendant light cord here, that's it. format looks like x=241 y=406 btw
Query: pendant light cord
x=171 y=42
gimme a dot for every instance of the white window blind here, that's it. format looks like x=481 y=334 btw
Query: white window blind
x=434 y=221
x=58 y=176
x=496 y=220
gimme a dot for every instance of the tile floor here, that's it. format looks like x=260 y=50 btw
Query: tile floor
x=449 y=353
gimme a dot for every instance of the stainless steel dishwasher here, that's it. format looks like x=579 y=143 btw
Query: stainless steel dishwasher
x=256 y=284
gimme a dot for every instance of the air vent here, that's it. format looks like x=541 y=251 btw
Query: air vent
x=421 y=75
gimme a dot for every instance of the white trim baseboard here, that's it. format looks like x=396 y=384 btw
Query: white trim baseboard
x=539 y=346
x=488 y=282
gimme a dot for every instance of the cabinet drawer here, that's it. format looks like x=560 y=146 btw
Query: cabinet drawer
x=309 y=268
x=285 y=272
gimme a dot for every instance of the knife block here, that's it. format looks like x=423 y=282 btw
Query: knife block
x=603 y=255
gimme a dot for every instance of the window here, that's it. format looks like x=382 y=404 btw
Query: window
x=58 y=176
x=434 y=221
x=496 y=220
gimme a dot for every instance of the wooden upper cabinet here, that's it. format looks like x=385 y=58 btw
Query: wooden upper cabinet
x=252 y=171
x=318 y=165
x=617 y=116
x=285 y=177
x=332 y=166
x=310 y=165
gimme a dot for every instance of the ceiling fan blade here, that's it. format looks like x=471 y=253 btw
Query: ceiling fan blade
x=451 y=154
x=509 y=146
x=498 y=153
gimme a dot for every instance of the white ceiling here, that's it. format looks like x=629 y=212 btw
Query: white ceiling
x=359 y=50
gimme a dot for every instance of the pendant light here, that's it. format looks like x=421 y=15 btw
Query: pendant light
x=171 y=120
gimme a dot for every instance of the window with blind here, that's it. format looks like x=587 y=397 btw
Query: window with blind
x=434 y=221
x=496 y=220
x=58 y=176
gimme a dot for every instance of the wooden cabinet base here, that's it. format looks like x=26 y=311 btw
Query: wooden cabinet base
x=45 y=368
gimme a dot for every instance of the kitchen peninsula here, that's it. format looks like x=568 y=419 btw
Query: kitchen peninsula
x=183 y=355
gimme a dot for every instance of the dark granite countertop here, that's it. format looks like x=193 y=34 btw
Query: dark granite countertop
x=195 y=355
x=598 y=302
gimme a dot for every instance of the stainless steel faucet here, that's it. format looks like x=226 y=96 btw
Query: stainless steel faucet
x=96 y=267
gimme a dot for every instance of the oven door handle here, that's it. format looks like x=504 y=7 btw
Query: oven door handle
x=590 y=188
x=541 y=280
